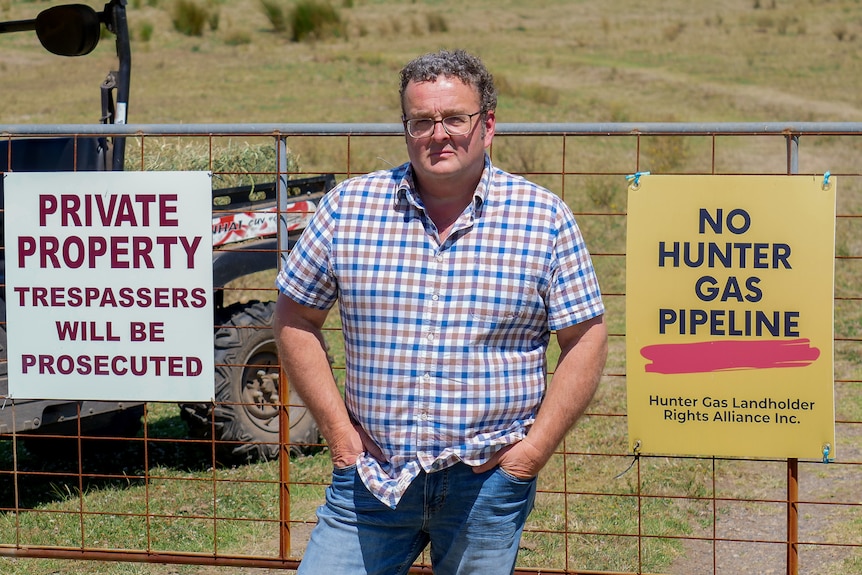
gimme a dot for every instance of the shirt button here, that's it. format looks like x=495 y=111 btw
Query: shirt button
x=435 y=297
x=430 y=337
x=439 y=258
x=423 y=416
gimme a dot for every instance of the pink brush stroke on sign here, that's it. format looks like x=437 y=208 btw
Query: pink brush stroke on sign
x=709 y=356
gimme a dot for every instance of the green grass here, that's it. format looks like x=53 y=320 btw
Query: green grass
x=233 y=162
x=178 y=502
x=312 y=20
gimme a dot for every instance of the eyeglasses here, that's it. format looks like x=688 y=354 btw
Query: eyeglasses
x=457 y=125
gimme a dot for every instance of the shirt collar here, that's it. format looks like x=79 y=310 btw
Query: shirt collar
x=407 y=192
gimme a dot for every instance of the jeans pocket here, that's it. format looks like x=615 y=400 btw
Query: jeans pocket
x=512 y=479
x=344 y=471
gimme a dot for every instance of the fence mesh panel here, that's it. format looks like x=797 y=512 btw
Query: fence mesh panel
x=175 y=490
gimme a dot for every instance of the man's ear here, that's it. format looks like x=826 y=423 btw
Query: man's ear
x=489 y=123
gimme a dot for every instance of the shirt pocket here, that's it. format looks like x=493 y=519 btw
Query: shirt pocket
x=500 y=312
x=501 y=294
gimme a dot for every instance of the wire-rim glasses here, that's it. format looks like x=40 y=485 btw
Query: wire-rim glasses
x=454 y=125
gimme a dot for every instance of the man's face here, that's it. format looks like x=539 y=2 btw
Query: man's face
x=439 y=156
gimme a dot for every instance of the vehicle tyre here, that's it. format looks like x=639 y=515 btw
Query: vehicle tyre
x=244 y=417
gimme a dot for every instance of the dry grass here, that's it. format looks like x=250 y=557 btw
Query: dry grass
x=563 y=61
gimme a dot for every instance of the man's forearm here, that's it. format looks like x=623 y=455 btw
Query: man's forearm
x=303 y=356
x=572 y=388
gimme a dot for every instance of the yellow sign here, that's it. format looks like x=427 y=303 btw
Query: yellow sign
x=729 y=305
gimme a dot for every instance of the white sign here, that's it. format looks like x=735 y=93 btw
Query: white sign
x=109 y=285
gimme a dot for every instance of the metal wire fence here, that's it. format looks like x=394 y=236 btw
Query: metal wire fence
x=177 y=488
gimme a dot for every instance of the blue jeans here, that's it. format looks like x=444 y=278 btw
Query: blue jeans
x=473 y=522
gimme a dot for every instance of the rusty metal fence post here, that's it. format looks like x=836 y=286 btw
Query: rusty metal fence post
x=792 y=463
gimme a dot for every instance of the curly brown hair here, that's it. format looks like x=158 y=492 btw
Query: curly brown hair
x=457 y=64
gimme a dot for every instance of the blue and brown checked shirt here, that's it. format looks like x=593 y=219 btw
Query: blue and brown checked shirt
x=445 y=342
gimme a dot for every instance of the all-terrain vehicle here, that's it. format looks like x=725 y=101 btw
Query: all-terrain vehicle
x=244 y=416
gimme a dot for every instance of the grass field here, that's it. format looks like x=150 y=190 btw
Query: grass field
x=554 y=61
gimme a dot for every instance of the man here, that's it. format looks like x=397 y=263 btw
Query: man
x=451 y=275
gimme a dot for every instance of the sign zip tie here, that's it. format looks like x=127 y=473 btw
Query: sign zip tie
x=826 y=177
x=826 y=450
x=637 y=454
x=636 y=178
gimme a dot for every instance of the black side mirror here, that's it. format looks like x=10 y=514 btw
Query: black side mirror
x=68 y=30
